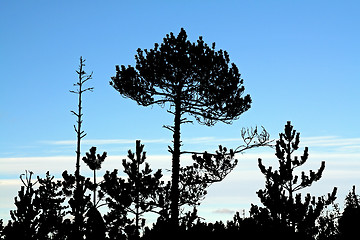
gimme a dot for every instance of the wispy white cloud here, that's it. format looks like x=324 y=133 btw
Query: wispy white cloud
x=224 y=211
x=10 y=182
x=335 y=142
x=211 y=140
x=330 y=141
x=247 y=161
x=104 y=141
x=199 y=140
x=57 y=164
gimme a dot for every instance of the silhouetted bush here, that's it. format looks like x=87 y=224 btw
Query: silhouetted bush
x=328 y=227
x=39 y=211
x=349 y=222
x=95 y=228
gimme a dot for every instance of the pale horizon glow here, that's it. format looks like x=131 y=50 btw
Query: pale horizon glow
x=242 y=184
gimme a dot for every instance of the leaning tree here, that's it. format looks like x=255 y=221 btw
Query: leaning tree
x=192 y=78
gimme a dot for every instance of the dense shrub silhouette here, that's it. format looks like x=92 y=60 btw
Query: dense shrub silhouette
x=45 y=207
x=328 y=227
x=349 y=222
x=39 y=211
x=79 y=202
x=21 y=225
x=95 y=228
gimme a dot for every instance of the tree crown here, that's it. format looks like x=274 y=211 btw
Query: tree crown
x=196 y=76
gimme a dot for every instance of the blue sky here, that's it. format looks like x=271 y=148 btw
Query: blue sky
x=299 y=61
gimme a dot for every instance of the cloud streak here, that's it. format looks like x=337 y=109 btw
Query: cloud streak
x=224 y=211
x=317 y=141
x=104 y=141
x=330 y=141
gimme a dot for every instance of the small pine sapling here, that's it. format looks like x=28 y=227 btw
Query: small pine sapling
x=94 y=162
x=283 y=206
x=137 y=194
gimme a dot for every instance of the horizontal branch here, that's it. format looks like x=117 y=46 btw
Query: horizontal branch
x=239 y=149
x=243 y=148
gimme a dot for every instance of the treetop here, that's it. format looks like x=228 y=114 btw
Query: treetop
x=196 y=77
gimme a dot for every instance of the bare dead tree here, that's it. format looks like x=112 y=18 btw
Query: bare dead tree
x=83 y=77
x=78 y=192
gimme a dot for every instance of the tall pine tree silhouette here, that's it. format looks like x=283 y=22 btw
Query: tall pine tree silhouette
x=193 y=79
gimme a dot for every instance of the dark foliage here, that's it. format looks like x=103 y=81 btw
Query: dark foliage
x=206 y=170
x=21 y=225
x=193 y=75
x=39 y=213
x=79 y=202
x=118 y=199
x=285 y=210
x=349 y=222
x=94 y=162
x=95 y=228
x=215 y=167
x=49 y=199
x=328 y=227
x=1 y=229
x=139 y=193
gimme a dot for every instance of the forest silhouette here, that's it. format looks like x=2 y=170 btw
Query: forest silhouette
x=190 y=80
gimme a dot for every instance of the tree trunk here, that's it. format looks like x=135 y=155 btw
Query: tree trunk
x=95 y=187
x=137 y=179
x=77 y=170
x=174 y=195
x=79 y=121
